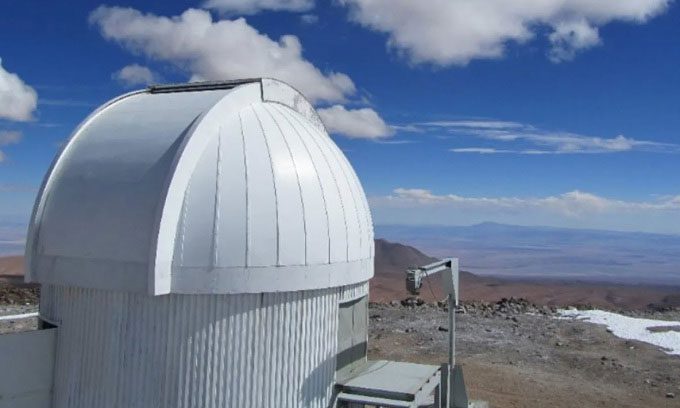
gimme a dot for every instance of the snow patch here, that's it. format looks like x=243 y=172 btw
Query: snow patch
x=631 y=328
x=19 y=316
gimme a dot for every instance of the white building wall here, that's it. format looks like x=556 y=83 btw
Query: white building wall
x=132 y=350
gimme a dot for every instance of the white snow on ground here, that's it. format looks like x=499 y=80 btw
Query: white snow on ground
x=18 y=316
x=631 y=328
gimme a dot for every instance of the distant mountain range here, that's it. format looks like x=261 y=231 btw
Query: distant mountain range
x=508 y=251
x=392 y=259
x=520 y=252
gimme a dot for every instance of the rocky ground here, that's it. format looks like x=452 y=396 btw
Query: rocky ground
x=17 y=301
x=516 y=354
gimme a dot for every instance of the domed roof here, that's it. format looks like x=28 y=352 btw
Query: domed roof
x=202 y=188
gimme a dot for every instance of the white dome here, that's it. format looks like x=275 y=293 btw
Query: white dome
x=217 y=188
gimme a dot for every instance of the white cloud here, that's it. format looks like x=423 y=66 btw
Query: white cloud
x=255 y=6
x=65 y=103
x=17 y=100
x=134 y=75
x=483 y=150
x=541 y=142
x=309 y=19
x=8 y=138
x=219 y=50
x=572 y=204
x=574 y=209
x=474 y=124
x=571 y=36
x=454 y=32
x=362 y=123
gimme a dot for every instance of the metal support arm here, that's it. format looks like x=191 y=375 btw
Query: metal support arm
x=448 y=268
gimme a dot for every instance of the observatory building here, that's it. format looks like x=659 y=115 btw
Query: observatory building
x=207 y=245
x=202 y=245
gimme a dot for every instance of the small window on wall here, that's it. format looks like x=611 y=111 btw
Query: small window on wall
x=352 y=334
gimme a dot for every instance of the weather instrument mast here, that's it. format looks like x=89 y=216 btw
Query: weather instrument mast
x=456 y=395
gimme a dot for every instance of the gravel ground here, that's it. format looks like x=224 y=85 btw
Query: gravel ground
x=515 y=359
x=18 y=325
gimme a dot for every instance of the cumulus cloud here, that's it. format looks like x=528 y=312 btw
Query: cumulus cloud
x=362 y=123
x=134 y=75
x=219 y=50
x=17 y=100
x=8 y=138
x=255 y=6
x=537 y=141
x=570 y=37
x=454 y=32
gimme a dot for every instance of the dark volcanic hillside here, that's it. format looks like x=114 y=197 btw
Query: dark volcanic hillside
x=394 y=258
x=391 y=261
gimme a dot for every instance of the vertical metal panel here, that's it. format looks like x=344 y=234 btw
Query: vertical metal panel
x=313 y=200
x=363 y=211
x=27 y=367
x=341 y=232
x=291 y=222
x=132 y=350
x=354 y=227
x=337 y=223
x=353 y=292
x=261 y=194
x=231 y=236
x=197 y=224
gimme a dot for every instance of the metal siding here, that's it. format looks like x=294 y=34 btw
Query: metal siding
x=197 y=223
x=338 y=212
x=27 y=360
x=363 y=209
x=133 y=350
x=290 y=214
x=352 y=292
x=98 y=205
x=261 y=193
x=354 y=231
x=257 y=199
x=314 y=205
x=230 y=236
x=337 y=223
x=361 y=241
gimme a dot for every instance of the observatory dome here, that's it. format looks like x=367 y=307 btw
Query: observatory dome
x=230 y=187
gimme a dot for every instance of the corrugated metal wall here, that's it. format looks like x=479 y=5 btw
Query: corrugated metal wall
x=131 y=350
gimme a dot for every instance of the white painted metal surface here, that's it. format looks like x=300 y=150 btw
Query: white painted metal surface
x=194 y=246
x=222 y=191
x=391 y=384
x=121 y=349
x=26 y=369
x=353 y=292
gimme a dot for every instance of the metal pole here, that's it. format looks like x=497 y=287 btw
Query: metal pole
x=452 y=345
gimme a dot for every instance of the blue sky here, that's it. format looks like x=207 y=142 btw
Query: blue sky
x=556 y=112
